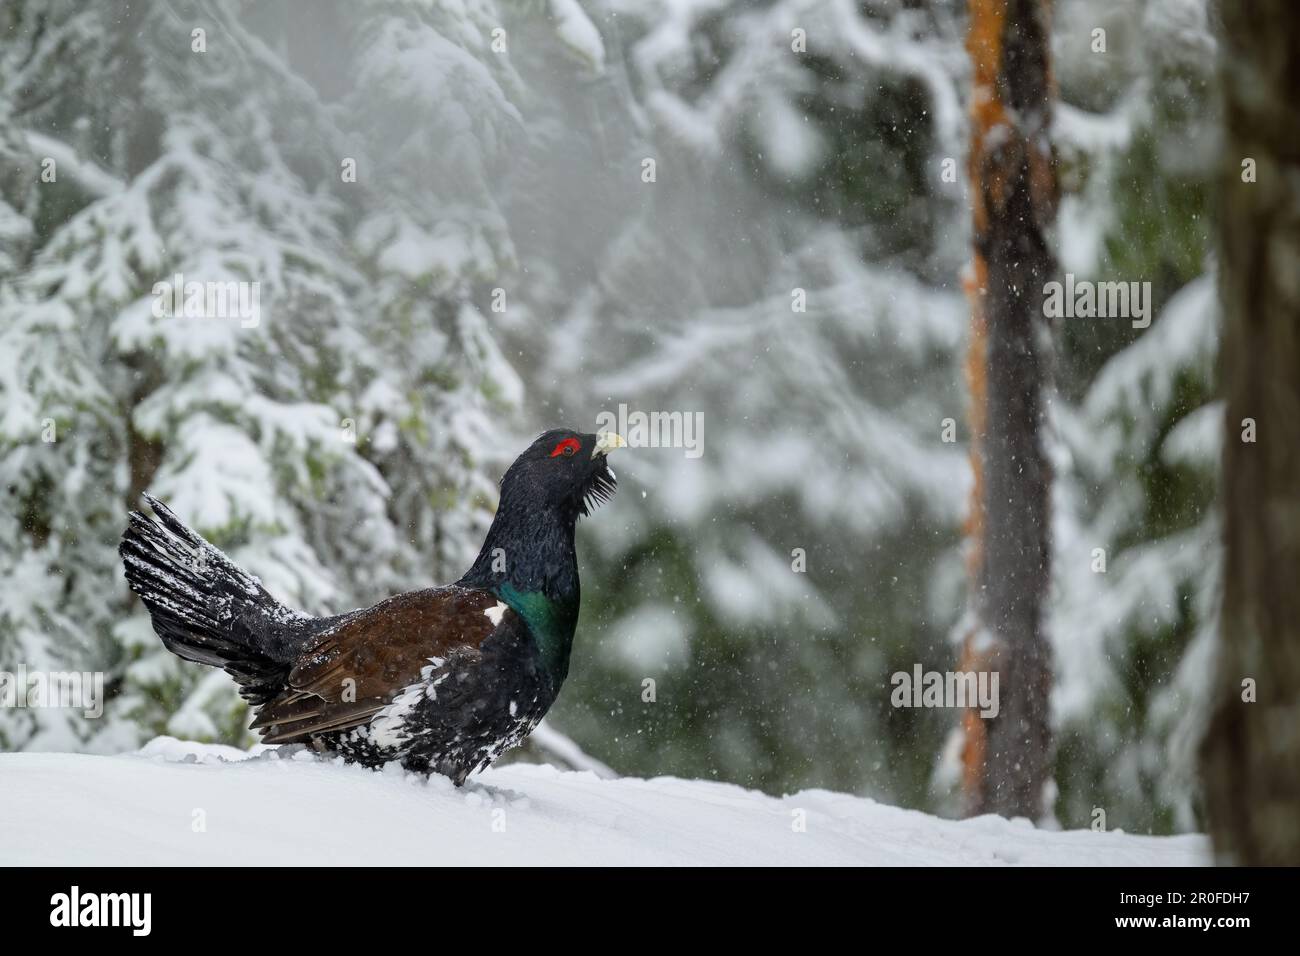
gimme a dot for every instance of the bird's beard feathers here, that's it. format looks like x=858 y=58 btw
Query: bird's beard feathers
x=600 y=487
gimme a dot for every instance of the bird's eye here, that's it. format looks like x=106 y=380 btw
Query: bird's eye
x=567 y=448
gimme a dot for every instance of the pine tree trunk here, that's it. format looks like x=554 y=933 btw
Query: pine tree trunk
x=1013 y=183
x=1251 y=755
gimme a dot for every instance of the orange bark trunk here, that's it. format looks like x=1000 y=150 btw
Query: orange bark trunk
x=1012 y=172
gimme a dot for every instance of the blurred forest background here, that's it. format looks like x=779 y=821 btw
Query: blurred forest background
x=348 y=446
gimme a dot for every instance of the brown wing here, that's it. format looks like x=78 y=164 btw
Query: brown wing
x=354 y=670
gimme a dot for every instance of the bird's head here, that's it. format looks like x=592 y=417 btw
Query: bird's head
x=562 y=470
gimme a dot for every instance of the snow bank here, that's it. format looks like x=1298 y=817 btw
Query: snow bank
x=184 y=803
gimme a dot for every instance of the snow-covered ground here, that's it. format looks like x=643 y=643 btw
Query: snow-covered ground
x=186 y=803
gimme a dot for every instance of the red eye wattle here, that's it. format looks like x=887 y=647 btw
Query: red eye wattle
x=566 y=447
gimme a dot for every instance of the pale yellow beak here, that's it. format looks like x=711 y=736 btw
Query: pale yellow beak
x=607 y=442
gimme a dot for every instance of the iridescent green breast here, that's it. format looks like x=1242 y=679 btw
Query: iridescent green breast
x=551 y=622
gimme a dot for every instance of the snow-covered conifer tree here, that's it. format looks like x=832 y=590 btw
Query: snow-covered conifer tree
x=337 y=437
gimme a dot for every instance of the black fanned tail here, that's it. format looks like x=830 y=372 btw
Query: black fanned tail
x=207 y=609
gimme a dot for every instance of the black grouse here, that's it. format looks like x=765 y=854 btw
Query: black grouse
x=445 y=679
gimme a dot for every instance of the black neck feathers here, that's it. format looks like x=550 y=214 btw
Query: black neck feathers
x=530 y=550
